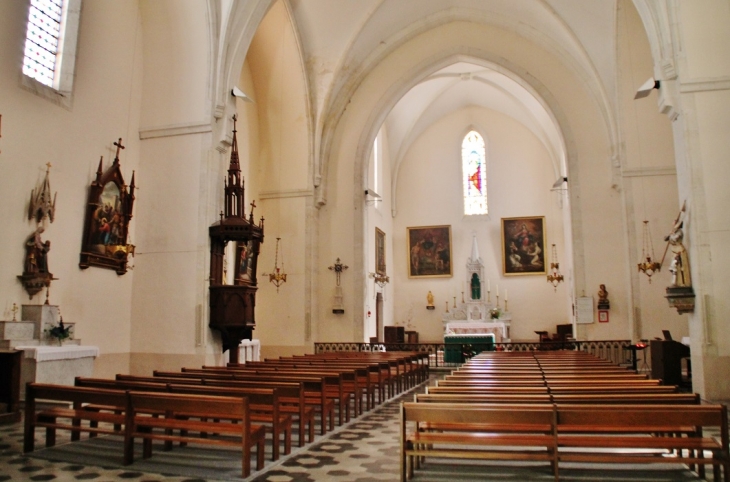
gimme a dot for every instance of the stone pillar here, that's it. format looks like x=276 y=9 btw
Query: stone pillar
x=697 y=98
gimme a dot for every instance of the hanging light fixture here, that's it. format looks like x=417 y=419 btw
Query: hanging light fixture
x=278 y=277
x=554 y=277
x=648 y=266
x=380 y=279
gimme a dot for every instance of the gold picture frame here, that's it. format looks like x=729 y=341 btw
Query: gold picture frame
x=523 y=246
x=380 y=267
x=429 y=252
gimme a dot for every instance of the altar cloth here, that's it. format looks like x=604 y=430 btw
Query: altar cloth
x=45 y=353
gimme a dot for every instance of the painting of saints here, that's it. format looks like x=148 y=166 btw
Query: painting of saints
x=244 y=264
x=523 y=242
x=429 y=251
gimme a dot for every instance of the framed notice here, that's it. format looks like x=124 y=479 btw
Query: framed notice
x=584 y=310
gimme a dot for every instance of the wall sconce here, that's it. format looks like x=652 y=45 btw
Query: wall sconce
x=554 y=277
x=380 y=279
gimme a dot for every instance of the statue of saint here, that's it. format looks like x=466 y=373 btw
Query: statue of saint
x=36 y=251
x=679 y=267
x=429 y=299
x=476 y=287
x=603 y=303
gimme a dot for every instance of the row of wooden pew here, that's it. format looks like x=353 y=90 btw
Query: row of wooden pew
x=560 y=406
x=265 y=400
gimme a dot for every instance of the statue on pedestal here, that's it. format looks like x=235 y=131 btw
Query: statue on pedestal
x=476 y=287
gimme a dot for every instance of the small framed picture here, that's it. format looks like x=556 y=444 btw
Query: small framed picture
x=603 y=316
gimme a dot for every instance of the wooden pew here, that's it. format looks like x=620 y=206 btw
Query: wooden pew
x=350 y=383
x=501 y=432
x=320 y=390
x=293 y=398
x=315 y=388
x=607 y=398
x=379 y=370
x=264 y=403
x=189 y=414
x=576 y=389
x=70 y=417
x=577 y=426
x=370 y=375
x=483 y=398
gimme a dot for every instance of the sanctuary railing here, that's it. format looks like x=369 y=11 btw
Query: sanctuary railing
x=615 y=351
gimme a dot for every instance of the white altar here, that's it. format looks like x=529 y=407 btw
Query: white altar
x=44 y=360
x=498 y=329
x=474 y=314
x=56 y=364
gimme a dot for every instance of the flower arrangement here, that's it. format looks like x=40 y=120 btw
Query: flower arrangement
x=495 y=313
x=59 y=332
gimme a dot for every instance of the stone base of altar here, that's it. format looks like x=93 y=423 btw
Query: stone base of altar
x=453 y=345
x=498 y=329
x=56 y=364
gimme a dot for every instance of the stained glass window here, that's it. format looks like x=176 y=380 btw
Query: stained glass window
x=475 y=174
x=42 y=40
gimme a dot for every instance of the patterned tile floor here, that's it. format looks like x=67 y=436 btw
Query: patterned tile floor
x=365 y=450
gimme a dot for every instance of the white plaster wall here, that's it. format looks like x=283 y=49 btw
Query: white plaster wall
x=702 y=100
x=378 y=214
x=176 y=63
x=279 y=180
x=430 y=192
x=597 y=213
x=35 y=131
x=648 y=179
x=177 y=199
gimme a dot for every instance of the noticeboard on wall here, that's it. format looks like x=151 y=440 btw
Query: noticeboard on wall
x=584 y=310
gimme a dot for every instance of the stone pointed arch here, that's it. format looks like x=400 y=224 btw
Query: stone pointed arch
x=657 y=20
x=352 y=72
x=412 y=77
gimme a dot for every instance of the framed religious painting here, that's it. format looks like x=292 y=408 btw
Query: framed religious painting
x=380 y=252
x=244 y=263
x=429 y=251
x=108 y=213
x=523 y=246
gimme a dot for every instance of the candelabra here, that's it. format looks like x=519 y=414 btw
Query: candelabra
x=554 y=277
x=648 y=266
x=380 y=279
x=278 y=277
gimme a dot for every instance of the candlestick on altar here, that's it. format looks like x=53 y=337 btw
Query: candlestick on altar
x=454 y=301
x=447 y=306
x=489 y=296
x=505 y=305
x=497 y=300
x=462 y=297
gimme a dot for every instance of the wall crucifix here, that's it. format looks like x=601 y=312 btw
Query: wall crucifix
x=338 y=268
